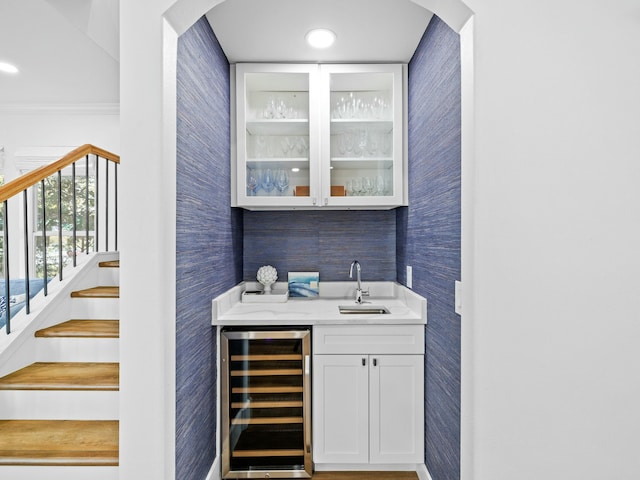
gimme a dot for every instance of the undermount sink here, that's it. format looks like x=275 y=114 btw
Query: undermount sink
x=363 y=309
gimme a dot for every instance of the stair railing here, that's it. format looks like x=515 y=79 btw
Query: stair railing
x=93 y=208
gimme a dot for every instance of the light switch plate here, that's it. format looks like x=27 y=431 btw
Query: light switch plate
x=458 y=299
x=409 y=276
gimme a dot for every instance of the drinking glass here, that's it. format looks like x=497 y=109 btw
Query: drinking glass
x=373 y=143
x=349 y=140
x=342 y=143
x=260 y=146
x=287 y=146
x=349 y=187
x=270 y=108
x=268 y=180
x=367 y=186
x=252 y=181
x=357 y=186
x=387 y=143
x=282 y=181
x=360 y=144
x=380 y=187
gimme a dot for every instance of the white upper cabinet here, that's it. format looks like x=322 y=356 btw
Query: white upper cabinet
x=319 y=136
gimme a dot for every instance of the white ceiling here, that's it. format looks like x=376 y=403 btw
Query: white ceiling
x=274 y=30
x=68 y=50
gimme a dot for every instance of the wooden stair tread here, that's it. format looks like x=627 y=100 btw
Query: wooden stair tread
x=59 y=442
x=64 y=376
x=82 y=329
x=97 y=292
x=110 y=264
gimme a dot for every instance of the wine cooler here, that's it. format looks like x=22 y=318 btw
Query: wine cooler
x=266 y=403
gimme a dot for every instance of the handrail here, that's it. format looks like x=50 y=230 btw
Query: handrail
x=31 y=178
x=37 y=179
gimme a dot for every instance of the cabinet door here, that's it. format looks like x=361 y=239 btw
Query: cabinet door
x=277 y=135
x=397 y=408
x=340 y=409
x=363 y=160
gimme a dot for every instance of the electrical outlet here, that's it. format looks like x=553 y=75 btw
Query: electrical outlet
x=458 y=297
x=409 y=276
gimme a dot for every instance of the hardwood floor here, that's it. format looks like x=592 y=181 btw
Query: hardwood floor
x=365 y=476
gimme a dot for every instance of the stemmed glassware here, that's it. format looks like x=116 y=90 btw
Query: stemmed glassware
x=380 y=185
x=268 y=181
x=282 y=181
x=252 y=181
x=366 y=186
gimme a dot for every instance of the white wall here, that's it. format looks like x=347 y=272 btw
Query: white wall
x=29 y=126
x=147 y=246
x=551 y=224
x=555 y=328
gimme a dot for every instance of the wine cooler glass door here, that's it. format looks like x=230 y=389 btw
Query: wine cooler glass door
x=266 y=404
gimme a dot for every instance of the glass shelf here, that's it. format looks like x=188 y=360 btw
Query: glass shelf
x=285 y=126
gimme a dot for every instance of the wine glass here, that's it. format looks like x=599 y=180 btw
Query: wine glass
x=380 y=188
x=387 y=143
x=252 y=181
x=349 y=138
x=372 y=144
x=367 y=186
x=287 y=146
x=360 y=144
x=349 y=187
x=301 y=147
x=261 y=146
x=282 y=181
x=357 y=186
x=268 y=182
x=270 y=108
x=342 y=143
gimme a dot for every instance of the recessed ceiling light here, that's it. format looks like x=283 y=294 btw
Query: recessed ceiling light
x=295 y=169
x=8 y=68
x=320 y=38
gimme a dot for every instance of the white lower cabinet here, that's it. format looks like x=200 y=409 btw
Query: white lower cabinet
x=368 y=408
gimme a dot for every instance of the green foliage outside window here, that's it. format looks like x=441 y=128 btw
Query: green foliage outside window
x=85 y=203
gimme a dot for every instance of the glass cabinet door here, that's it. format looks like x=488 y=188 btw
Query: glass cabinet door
x=362 y=145
x=276 y=130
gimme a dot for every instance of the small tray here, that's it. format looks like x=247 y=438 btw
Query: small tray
x=258 y=296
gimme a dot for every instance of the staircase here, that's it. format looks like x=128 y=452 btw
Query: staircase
x=59 y=414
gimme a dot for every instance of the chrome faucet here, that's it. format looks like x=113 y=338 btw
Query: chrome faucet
x=359 y=292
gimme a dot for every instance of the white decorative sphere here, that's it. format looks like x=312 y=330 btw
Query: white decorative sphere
x=266 y=276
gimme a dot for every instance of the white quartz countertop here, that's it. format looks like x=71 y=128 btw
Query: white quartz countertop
x=405 y=306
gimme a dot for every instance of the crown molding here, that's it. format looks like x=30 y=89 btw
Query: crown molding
x=56 y=109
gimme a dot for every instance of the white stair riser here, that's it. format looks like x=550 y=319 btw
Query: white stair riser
x=108 y=276
x=95 y=308
x=58 y=473
x=77 y=349
x=58 y=405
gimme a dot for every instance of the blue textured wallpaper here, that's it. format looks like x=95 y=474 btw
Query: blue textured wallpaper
x=322 y=241
x=429 y=234
x=209 y=241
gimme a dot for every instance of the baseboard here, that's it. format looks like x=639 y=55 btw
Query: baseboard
x=423 y=473
x=367 y=467
x=214 y=473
